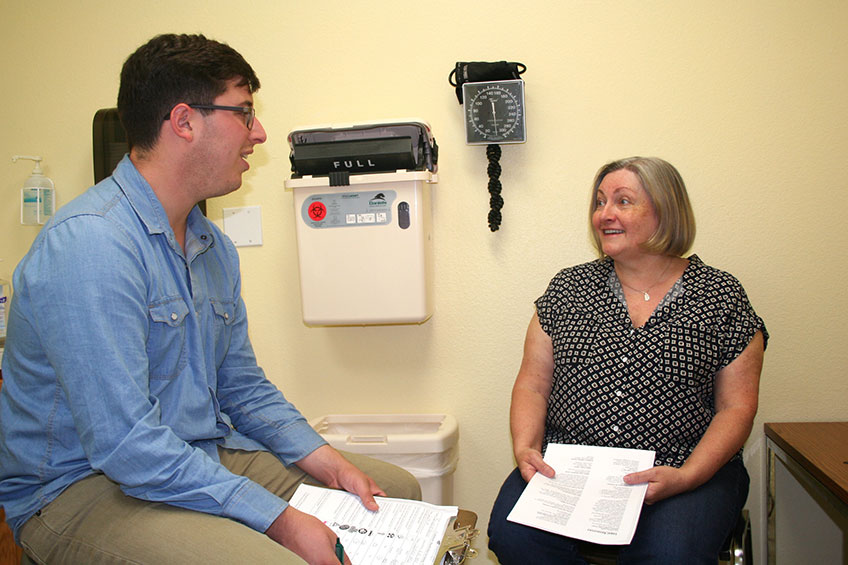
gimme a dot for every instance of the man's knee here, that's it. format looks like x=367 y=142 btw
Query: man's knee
x=403 y=485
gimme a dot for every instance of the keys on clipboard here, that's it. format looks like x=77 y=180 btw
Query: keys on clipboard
x=456 y=546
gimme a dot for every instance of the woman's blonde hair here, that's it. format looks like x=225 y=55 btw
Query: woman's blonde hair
x=675 y=231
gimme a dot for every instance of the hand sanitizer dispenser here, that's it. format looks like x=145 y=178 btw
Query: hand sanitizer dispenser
x=38 y=196
x=363 y=217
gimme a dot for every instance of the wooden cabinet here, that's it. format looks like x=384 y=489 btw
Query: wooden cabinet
x=807 y=490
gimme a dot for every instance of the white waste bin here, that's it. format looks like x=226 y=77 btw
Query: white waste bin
x=426 y=445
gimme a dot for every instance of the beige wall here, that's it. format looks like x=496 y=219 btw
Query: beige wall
x=747 y=99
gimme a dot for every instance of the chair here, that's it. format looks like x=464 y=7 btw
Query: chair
x=737 y=548
x=735 y=551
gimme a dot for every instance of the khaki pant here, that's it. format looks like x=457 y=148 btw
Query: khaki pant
x=94 y=522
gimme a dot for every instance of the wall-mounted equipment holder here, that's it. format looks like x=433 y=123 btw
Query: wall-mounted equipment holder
x=492 y=96
x=363 y=217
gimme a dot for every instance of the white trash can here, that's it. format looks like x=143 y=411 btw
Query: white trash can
x=426 y=445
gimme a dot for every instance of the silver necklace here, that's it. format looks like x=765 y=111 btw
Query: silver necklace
x=656 y=282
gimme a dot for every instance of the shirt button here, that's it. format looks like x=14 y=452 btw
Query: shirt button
x=619 y=394
x=226 y=315
x=625 y=359
x=615 y=428
x=174 y=316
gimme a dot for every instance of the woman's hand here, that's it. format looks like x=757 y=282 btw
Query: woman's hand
x=663 y=482
x=530 y=462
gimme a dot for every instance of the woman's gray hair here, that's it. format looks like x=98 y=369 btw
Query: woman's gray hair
x=675 y=231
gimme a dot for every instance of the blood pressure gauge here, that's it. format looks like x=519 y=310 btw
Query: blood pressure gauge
x=494 y=112
x=494 y=115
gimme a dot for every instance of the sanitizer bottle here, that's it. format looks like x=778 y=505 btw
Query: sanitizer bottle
x=38 y=196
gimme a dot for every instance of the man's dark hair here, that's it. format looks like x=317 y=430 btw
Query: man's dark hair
x=170 y=69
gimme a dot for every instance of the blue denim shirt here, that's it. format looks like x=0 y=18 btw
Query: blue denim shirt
x=126 y=356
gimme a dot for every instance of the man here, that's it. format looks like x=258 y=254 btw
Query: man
x=135 y=423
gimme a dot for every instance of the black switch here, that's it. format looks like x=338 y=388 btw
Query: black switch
x=403 y=215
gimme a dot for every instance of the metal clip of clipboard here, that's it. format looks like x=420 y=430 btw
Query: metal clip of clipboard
x=456 y=545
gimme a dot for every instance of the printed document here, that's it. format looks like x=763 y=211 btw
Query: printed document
x=587 y=498
x=401 y=532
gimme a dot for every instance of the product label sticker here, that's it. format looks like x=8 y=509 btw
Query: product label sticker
x=348 y=209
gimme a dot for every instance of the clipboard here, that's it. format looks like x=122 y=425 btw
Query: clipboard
x=456 y=545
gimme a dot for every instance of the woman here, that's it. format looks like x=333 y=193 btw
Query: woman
x=641 y=349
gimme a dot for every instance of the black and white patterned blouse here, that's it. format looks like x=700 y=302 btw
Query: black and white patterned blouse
x=650 y=387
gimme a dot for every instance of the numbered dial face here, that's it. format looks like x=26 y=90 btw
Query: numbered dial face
x=494 y=112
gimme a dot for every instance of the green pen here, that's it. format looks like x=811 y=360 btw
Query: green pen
x=339 y=550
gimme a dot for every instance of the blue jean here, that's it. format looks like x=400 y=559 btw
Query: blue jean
x=688 y=528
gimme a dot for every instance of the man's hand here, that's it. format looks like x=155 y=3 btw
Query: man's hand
x=328 y=466
x=351 y=479
x=306 y=536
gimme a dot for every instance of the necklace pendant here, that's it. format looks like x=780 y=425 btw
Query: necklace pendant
x=647 y=296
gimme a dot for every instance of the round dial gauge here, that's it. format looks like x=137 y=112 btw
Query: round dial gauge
x=494 y=112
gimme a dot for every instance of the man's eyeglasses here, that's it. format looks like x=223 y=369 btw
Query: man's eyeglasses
x=248 y=111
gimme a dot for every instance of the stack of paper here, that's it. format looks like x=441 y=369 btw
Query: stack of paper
x=587 y=499
x=401 y=532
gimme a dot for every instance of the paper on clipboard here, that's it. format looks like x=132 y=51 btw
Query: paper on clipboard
x=401 y=532
x=587 y=499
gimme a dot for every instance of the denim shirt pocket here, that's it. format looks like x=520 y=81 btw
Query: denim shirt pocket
x=166 y=343
x=223 y=318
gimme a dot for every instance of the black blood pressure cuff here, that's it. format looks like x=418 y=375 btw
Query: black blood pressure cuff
x=483 y=72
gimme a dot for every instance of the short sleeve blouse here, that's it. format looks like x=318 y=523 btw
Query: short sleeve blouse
x=650 y=387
